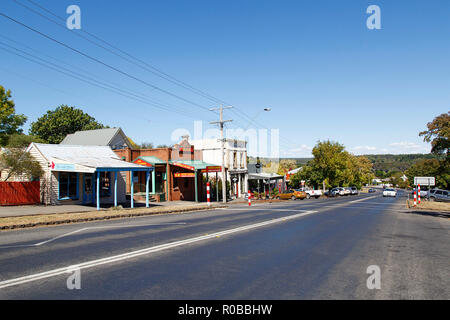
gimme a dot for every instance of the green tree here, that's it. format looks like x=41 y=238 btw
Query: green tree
x=16 y=161
x=10 y=122
x=56 y=124
x=430 y=168
x=146 y=145
x=361 y=169
x=334 y=166
x=22 y=140
x=330 y=162
x=438 y=134
x=286 y=165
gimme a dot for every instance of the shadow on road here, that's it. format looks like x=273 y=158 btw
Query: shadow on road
x=430 y=213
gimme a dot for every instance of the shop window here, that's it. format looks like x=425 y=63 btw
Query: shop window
x=68 y=185
x=105 y=184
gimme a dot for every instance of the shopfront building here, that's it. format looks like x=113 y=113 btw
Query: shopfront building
x=89 y=175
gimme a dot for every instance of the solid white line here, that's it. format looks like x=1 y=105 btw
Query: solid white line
x=262 y=209
x=137 y=253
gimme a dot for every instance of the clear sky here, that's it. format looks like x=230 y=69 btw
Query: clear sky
x=322 y=72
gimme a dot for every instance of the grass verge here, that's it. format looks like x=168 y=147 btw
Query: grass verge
x=429 y=205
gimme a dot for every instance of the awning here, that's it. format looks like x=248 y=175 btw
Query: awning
x=149 y=161
x=264 y=176
x=83 y=159
x=91 y=165
x=194 y=165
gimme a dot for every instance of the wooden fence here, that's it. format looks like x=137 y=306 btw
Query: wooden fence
x=19 y=193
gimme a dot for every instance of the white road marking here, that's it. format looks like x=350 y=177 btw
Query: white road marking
x=88 y=228
x=268 y=209
x=363 y=199
x=146 y=251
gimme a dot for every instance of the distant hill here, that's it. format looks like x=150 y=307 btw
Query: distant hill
x=397 y=162
x=381 y=162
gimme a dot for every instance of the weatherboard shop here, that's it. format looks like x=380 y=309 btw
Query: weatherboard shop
x=185 y=176
x=89 y=175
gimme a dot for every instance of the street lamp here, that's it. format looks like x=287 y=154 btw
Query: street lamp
x=259 y=112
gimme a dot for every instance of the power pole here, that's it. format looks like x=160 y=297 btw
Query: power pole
x=221 y=122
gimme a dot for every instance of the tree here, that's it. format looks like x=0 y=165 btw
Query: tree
x=286 y=165
x=334 y=166
x=18 y=162
x=22 y=140
x=431 y=168
x=56 y=124
x=438 y=134
x=330 y=161
x=10 y=122
x=361 y=171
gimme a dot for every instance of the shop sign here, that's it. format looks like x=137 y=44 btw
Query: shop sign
x=142 y=163
x=184 y=175
x=185 y=166
x=58 y=165
x=212 y=169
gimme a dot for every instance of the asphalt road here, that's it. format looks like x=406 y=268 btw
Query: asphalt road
x=310 y=249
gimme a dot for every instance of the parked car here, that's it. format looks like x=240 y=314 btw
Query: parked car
x=389 y=192
x=354 y=191
x=311 y=193
x=423 y=193
x=439 y=195
x=341 y=191
x=371 y=190
x=347 y=191
x=335 y=192
x=291 y=194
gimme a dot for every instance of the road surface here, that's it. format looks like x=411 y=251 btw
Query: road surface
x=310 y=249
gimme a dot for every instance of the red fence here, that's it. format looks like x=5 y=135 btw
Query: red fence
x=19 y=193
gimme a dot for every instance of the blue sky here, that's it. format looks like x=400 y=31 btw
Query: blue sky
x=322 y=72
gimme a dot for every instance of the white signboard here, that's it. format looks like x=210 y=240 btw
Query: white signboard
x=64 y=166
x=424 y=181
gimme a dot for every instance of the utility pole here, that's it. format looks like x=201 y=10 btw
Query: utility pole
x=221 y=122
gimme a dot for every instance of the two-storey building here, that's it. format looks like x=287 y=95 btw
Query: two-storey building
x=235 y=161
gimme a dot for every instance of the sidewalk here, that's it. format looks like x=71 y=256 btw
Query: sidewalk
x=32 y=210
x=43 y=216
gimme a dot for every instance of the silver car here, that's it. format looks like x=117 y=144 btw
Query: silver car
x=439 y=195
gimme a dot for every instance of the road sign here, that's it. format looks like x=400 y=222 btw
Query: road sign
x=425 y=181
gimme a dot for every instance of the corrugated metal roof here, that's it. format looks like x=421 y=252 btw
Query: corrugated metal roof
x=261 y=176
x=88 y=156
x=197 y=164
x=98 y=137
x=151 y=159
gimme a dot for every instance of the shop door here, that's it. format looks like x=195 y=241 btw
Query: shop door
x=159 y=183
x=87 y=188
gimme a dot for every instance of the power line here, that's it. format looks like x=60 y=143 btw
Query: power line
x=152 y=69
x=110 y=84
x=101 y=62
x=83 y=80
